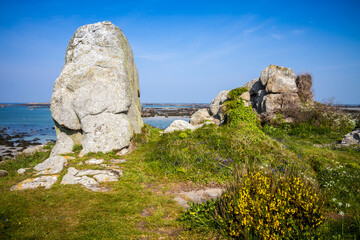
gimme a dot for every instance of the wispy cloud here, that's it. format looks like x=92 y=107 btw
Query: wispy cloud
x=276 y=36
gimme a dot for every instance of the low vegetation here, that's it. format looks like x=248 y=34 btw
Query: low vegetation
x=280 y=180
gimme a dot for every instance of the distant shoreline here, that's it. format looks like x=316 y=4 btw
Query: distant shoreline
x=174 y=109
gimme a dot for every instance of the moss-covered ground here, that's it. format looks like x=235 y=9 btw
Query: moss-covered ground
x=139 y=206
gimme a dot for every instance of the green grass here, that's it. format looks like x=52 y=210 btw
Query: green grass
x=72 y=212
x=138 y=206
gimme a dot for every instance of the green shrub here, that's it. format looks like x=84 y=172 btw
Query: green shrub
x=262 y=206
x=236 y=93
x=270 y=207
x=77 y=148
x=199 y=216
x=183 y=135
x=236 y=112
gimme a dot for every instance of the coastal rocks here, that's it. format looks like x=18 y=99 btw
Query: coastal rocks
x=179 y=125
x=200 y=196
x=215 y=106
x=96 y=101
x=32 y=183
x=202 y=116
x=3 y=173
x=51 y=165
x=351 y=138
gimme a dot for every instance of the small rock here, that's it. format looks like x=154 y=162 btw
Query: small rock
x=51 y=165
x=32 y=183
x=118 y=160
x=94 y=161
x=179 y=125
x=3 y=173
x=21 y=171
x=123 y=151
x=351 y=138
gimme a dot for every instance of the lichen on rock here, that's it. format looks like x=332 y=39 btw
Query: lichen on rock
x=96 y=101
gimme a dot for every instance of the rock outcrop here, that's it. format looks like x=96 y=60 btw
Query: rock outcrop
x=275 y=90
x=216 y=103
x=95 y=101
x=202 y=116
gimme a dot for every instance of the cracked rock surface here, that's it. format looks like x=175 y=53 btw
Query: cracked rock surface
x=96 y=98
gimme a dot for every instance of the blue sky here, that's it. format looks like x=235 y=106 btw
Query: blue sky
x=187 y=51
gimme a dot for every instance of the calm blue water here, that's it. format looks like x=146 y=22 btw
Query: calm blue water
x=38 y=123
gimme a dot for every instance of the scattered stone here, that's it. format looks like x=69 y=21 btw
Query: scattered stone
x=51 y=165
x=94 y=161
x=3 y=173
x=96 y=98
x=351 y=138
x=32 y=183
x=21 y=171
x=199 y=196
x=118 y=160
x=74 y=176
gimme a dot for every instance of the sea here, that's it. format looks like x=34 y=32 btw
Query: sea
x=38 y=126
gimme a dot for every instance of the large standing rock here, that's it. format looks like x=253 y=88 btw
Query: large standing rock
x=95 y=101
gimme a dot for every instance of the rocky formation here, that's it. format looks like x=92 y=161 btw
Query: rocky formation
x=202 y=116
x=351 y=138
x=95 y=101
x=216 y=103
x=275 y=90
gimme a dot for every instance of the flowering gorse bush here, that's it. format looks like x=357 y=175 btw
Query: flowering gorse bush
x=269 y=207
